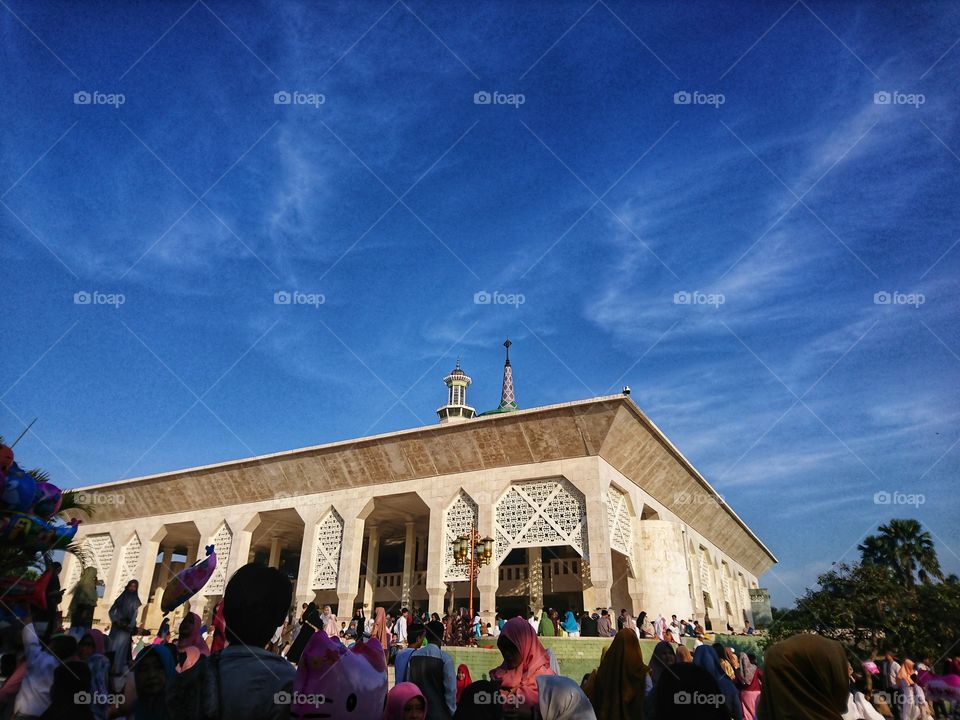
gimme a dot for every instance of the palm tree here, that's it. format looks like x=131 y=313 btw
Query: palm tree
x=906 y=548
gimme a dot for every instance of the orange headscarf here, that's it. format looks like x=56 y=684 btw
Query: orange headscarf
x=379 y=630
x=617 y=686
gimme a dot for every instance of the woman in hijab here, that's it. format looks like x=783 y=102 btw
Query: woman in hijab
x=683 y=654
x=617 y=687
x=123 y=619
x=630 y=624
x=555 y=619
x=671 y=700
x=725 y=665
x=705 y=657
x=405 y=702
x=84 y=600
x=570 y=625
x=749 y=685
x=912 y=697
x=463 y=679
x=524 y=659
x=545 y=628
x=163 y=633
x=90 y=650
x=190 y=635
x=380 y=631
x=219 y=629
x=806 y=678
x=328 y=621
x=153 y=669
x=562 y=699
x=309 y=623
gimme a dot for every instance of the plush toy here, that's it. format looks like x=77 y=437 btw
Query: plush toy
x=940 y=687
x=338 y=683
x=16 y=590
x=48 y=500
x=188 y=582
x=34 y=533
x=6 y=460
x=19 y=491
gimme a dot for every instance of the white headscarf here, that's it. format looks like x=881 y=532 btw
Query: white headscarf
x=562 y=699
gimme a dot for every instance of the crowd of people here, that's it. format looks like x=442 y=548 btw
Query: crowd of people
x=253 y=660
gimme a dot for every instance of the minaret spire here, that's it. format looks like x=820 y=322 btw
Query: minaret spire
x=456 y=409
x=508 y=398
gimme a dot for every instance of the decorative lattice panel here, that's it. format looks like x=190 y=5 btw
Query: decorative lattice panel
x=129 y=560
x=326 y=564
x=704 y=571
x=222 y=542
x=458 y=519
x=538 y=514
x=621 y=525
x=97 y=552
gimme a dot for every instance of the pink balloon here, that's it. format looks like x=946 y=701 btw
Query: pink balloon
x=340 y=684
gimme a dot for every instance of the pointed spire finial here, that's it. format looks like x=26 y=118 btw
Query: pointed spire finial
x=507 y=345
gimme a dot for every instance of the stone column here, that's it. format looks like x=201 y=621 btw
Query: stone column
x=274 y=559
x=348 y=574
x=243 y=526
x=597 y=585
x=305 y=591
x=151 y=537
x=409 y=546
x=436 y=541
x=370 y=578
x=488 y=580
x=535 y=582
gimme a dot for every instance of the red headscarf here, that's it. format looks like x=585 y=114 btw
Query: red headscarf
x=534 y=661
x=219 y=629
x=462 y=684
x=193 y=639
x=398 y=697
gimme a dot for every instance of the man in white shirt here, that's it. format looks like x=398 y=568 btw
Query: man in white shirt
x=400 y=627
x=34 y=695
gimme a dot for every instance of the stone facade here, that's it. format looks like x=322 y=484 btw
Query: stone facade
x=369 y=521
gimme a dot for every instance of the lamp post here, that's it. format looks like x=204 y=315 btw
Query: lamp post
x=473 y=552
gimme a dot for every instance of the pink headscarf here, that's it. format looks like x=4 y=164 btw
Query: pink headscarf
x=534 y=661
x=194 y=639
x=398 y=697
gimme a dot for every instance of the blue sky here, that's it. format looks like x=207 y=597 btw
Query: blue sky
x=778 y=210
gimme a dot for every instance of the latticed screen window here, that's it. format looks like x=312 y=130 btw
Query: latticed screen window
x=704 y=569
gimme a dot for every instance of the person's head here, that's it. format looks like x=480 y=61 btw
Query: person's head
x=133 y=586
x=415 y=633
x=663 y=658
x=151 y=670
x=405 y=702
x=475 y=701
x=604 y=612
x=673 y=617
x=69 y=680
x=254 y=604
x=187 y=625
x=342 y=625
x=684 y=655
x=805 y=671
x=462 y=672
x=435 y=632
x=62 y=646
x=623 y=611
x=510 y=652
x=86 y=647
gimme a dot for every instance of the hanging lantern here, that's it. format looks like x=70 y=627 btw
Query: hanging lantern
x=487 y=548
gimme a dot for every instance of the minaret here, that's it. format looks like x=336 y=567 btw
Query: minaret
x=508 y=399
x=456 y=409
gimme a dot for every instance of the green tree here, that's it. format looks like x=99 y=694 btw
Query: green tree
x=906 y=548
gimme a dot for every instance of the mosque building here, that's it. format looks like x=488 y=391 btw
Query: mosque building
x=583 y=504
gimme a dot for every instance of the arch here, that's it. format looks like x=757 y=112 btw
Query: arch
x=620 y=522
x=540 y=513
x=95 y=551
